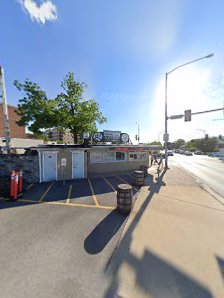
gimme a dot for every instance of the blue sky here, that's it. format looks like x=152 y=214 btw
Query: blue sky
x=122 y=50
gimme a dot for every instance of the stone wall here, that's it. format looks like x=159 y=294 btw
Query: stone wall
x=29 y=164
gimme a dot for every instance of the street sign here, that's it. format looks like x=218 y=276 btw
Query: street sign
x=166 y=137
x=176 y=117
x=63 y=162
x=187 y=115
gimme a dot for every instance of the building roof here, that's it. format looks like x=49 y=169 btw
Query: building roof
x=98 y=147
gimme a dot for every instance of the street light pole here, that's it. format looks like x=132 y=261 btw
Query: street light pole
x=166 y=116
x=138 y=132
x=203 y=130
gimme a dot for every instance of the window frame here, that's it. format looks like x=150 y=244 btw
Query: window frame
x=138 y=152
x=111 y=161
x=125 y=156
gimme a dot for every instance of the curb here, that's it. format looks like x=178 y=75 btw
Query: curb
x=207 y=188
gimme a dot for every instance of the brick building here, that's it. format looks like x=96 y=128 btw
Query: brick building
x=55 y=134
x=16 y=131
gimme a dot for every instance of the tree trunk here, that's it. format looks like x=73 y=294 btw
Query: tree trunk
x=75 y=136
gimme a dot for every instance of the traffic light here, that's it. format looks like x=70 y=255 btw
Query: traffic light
x=220 y=137
x=206 y=136
x=187 y=115
x=136 y=137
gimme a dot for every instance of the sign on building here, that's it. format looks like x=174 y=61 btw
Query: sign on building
x=111 y=136
x=63 y=162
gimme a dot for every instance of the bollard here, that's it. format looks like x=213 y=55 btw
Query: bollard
x=139 y=178
x=124 y=198
x=20 y=180
x=15 y=193
x=12 y=183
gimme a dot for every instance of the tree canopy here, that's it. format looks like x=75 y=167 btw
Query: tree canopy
x=204 y=145
x=68 y=110
x=155 y=143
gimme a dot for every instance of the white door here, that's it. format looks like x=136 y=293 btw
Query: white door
x=77 y=164
x=49 y=166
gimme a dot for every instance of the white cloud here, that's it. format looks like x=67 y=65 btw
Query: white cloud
x=46 y=11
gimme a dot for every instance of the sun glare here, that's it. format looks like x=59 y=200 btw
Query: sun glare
x=188 y=88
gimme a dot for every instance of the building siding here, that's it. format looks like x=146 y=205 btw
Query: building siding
x=16 y=131
x=66 y=173
x=119 y=166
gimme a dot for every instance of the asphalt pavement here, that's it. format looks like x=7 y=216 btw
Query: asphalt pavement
x=58 y=240
x=208 y=170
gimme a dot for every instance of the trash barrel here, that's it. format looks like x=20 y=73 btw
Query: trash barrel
x=124 y=198
x=139 y=178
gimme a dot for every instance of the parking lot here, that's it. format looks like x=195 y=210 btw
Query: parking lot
x=58 y=238
x=97 y=193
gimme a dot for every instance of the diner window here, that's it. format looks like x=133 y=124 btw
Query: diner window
x=96 y=157
x=137 y=156
x=108 y=156
x=120 y=156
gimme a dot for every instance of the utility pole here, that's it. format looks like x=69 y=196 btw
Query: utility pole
x=5 y=110
x=138 y=132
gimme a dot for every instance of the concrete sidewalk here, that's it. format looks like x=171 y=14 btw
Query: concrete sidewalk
x=173 y=244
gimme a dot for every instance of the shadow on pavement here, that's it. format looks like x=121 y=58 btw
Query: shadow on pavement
x=155 y=276
x=104 y=232
x=158 y=278
x=4 y=204
x=221 y=266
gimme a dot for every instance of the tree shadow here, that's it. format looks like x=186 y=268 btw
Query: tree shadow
x=98 y=239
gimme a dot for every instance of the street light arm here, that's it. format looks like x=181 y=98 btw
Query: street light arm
x=193 y=61
x=166 y=118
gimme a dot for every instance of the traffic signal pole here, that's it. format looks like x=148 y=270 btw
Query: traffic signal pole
x=166 y=135
x=5 y=110
x=195 y=113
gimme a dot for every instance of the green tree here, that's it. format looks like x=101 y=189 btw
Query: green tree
x=70 y=109
x=155 y=143
x=202 y=144
x=75 y=112
x=36 y=110
x=176 y=144
x=179 y=143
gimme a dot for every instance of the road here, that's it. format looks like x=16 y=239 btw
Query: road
x=210 y=171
